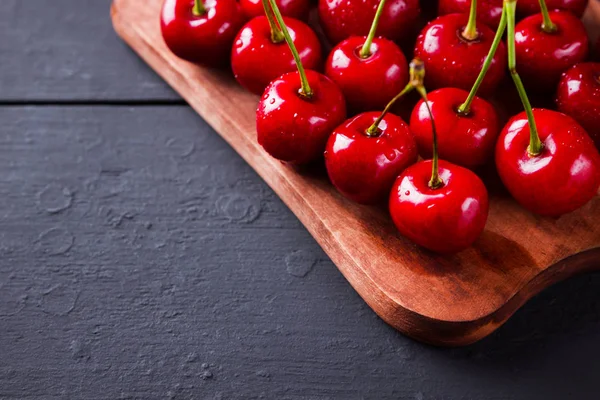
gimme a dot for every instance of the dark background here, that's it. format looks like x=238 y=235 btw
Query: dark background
x=140 y=257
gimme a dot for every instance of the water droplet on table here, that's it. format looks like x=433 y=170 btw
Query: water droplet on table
x=54 y=198
x=300 y=263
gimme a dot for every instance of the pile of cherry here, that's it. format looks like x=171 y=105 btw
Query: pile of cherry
x=548 y=160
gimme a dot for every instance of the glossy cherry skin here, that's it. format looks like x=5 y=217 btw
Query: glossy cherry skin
x=526 y=8
x=488 y=11
x=298 y=9
x=204 y=40
x=466 y=140
x=444 y=220
x=452 y=61
x=368 y=83
x=256 y=60
x=566 y=174
x=341 y=19
x=294 y=129
x=578 y=96
x=364 y=168
x=542 y=57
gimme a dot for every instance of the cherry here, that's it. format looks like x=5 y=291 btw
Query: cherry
x=341 y=19
x=259 y=55
x=453 y=53
x=578 y=96
x=370 y=71
x=444 y=219
x=561 y=177
x=547 y=45
x=298 y=9
x=363 y=166
x=488 y=11
x=545 y=159
x=293 y=128
x=298 y=110
x=526 y=8
x=464 y=138
x=201 y=31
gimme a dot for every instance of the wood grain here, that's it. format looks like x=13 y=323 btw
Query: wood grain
x=449 y=301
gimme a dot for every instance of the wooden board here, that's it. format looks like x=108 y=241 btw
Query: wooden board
x=452 y=300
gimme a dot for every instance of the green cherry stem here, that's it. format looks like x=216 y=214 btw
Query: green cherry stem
x=276 y=34
x=199 y=8
x=435 y=182
x=465 y=108
x=470 y=31
x=547 y=25
x=417 y=73
x=535 y=145
x=305 y=90
x=365 y=52
x=373 y=130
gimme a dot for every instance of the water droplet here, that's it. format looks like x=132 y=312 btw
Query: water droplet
x=300 y=263
x=239 y=208
x=54 y=198
x=391 y=155
x=59 y=300
x=407 y=193
x=55 y=241
x=179 y=148
x=272 y=101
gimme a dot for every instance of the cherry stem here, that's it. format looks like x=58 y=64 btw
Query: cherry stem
x=276 y=34
x=470 y=31
x=373 y=130
x=535 y=145
x=547 y=25
x=366 y=49
x=465 y=108
x=417 y=73
x=305 y=90
x=199 y=8
x=435 y=182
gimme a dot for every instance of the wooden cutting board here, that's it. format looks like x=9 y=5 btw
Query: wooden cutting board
x=443 y=300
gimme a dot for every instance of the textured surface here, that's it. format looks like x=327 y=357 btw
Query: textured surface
x=66 y=50
x=145 y=260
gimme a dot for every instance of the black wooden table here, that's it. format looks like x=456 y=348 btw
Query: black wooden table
x=140 y=257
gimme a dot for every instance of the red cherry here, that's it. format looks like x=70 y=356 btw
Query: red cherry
x=467 y=140
x=298 y=9
x=362 y=167
x=256 y=60
x=562 y=178
x=542 y=57
x=368 y=83
x=293 y=128
x=205 y=39
x=453 y=61
x=341 y=19
x=526 y=8
x=579 y=97
x=447 y=219
x=488 y=11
